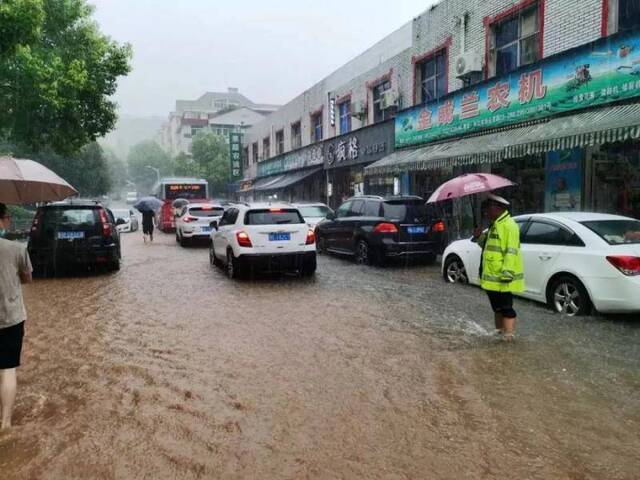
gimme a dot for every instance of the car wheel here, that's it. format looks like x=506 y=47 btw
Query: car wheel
x=363 y=253
x=454 y=270
x=309 y=267
x=232 y=266
x=114 y=266
x=184 y=242
x=567 y=296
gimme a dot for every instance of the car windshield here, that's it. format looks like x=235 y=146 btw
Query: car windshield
x=75 y=217
x=273 y=217
x=410 y=212
x=616 y=232
x=125 y=214
x=314 y=211
x=206 y=211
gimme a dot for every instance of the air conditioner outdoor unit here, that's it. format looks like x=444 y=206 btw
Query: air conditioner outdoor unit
x=359 y=109
x=389 y=99
x=468 y=63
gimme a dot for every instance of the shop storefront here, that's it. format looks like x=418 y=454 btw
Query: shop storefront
x=347 y=156
x=565 y=130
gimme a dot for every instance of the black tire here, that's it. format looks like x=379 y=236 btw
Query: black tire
x=309 y=267
x=232 y=267
x=114 y=266
x=184 y=242
x=566 y=295
x=454 y=270
x=362 y=253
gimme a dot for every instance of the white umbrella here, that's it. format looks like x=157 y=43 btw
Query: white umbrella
x=26 y=181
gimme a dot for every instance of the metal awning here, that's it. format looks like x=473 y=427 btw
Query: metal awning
x=594 y=127
x=279 y=182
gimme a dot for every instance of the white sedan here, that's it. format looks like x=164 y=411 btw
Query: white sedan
x=126 y=220
x=574 y=262
x=193 y=221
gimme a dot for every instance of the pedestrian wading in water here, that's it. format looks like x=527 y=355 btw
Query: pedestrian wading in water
x=15 y=269
x=148 y=218
x=501 y=268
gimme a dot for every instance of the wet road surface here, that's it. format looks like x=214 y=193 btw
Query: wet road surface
x=168 y=370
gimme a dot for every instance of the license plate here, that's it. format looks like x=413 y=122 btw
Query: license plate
x=416 y=229
x=279 y=237
x=70 y=235
x=205 y=229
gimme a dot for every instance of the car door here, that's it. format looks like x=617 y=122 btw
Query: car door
x=220 y=240
x=330 y=228
x=542 y=244
x=349 y=226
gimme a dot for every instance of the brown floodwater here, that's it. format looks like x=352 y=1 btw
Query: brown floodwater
x=168 y=370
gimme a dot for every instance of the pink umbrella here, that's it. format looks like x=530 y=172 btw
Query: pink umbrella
x=26 y=181
x=468 y=184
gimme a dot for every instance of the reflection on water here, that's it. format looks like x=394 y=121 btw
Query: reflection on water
x=168 y=370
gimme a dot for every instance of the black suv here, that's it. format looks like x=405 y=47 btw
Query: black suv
x=374 y=229
x=79 y=233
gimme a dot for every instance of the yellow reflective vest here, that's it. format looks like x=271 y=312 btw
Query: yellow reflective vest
x=502 y=269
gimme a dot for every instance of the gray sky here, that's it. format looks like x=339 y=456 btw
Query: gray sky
x=270 y=50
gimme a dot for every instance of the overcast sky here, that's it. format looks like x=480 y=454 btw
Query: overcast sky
x=271 y=50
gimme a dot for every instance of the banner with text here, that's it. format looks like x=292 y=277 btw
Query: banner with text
x=598 y=73
x=235 y=156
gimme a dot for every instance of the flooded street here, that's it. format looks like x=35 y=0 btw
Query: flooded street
x=168 y=370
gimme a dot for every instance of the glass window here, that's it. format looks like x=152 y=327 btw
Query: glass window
x=433 y=73
x=206 y=211
x=380 y=114
x=314 y=211
x=545 y=234
x=254 y=148
x=616 y=232
x=266 y=148
x=516 y=41
x=296 y=136
x=345 y=116
x=279 y=142
x=628 y=14
x=75 y=217
x=356 y=208
x=371 y=208
x=343 y=210
x=273 y=217
x=316 y=127
x=410 y=212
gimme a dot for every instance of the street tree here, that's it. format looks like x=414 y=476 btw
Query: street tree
x=57 y=74
x=185 y=166
x=211 y=153
x=117 y=169
x=148 y=154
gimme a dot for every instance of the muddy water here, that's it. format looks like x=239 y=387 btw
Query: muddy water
x=168 y=370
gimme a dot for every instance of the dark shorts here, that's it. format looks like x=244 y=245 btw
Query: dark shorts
x=11 y=346
x=502 y=302
x=147 y=226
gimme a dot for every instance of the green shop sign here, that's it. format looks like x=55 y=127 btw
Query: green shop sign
x=235 y=156
x=598 y=73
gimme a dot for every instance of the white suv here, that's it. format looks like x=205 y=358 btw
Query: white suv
x=263 y=237
x=193 y=221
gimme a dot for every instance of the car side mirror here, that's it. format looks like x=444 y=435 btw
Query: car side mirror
x=331 y=216
x=121 y=221
x=214 y=225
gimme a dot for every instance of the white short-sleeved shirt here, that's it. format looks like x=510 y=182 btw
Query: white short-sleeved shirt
x=14 y=260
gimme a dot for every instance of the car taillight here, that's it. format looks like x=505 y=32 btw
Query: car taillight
x=438 y=227
x=628 y=265
x=243 y=239
x=311 y=238
x=189 y=219
x=385 y=228
x=106 y=226
x=37 y=222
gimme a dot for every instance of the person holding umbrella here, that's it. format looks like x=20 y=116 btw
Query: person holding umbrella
x=501 y=269
x=15 y=269
x=148 y=206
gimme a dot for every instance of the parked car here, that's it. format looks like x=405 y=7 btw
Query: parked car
x=261 y=237
x=373 y=229
x=73 y=233
x=131 y=198
x=126 y=220
x=313 y=213
x=573 y=262
x=193 y=221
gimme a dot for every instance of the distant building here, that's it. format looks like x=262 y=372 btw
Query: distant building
x=219 y=112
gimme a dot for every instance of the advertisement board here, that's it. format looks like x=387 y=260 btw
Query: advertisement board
x=598 y=73
x=563 y=181
x=235 y=156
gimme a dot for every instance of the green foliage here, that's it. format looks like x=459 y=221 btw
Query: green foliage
x=57 y=72
x=185 y=166
x=117 y=169
x=151 y=154
x=211 y=154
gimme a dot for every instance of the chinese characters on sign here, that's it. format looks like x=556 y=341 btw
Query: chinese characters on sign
x=235 y=156
x=565 y=82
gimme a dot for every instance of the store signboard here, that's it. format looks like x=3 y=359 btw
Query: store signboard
x=235 y=156
x=365 y=145
x=302 y=158
x=563 y=181
x=598 y=73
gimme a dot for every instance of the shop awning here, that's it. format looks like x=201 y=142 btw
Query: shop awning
x=279 y=182
x=594 y=127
